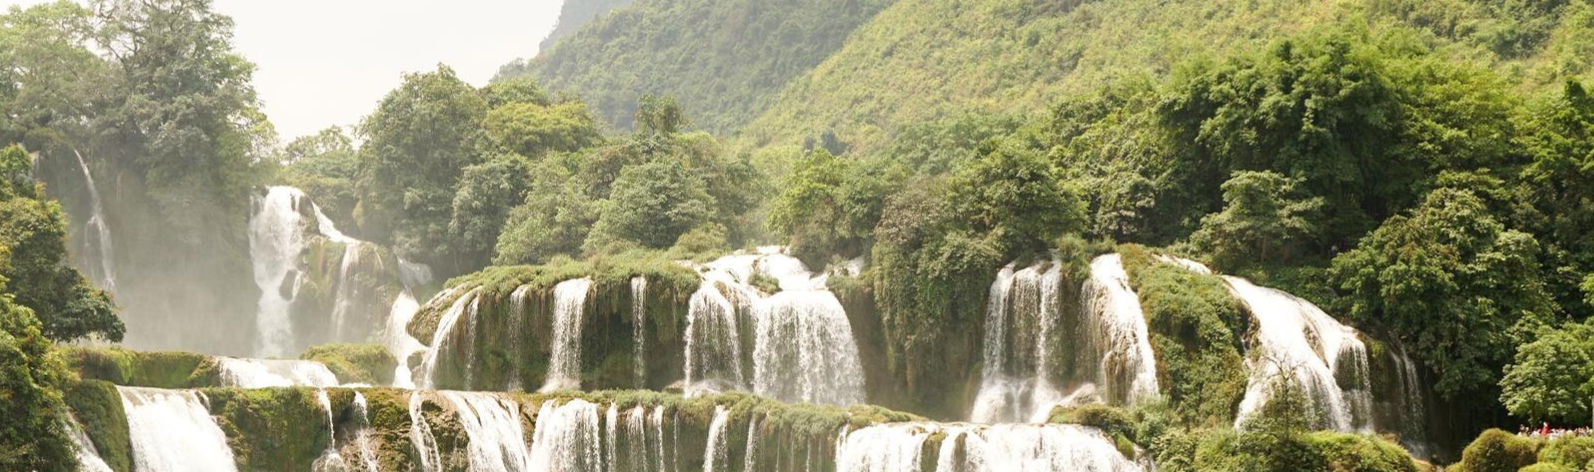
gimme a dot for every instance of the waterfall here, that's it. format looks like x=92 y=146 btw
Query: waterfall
x=564 y=368
x=713 y=345
x=398 y=340
x=362 y=437
x=803 y=346
x=1411 y=406
x=330 y=460
x=421 y=435
x=714 y=453
x=998 y=448
x=88 y=457
x=497 y=441
x=883 y=449
x=276 y=237
x=519 y=301
x=639 y=318
x=1106 y=348
x=445 y=325
x=172 y=431
x=261 y=373
x=344 y=297
x=1314 y=350
x=751 y=456
x=636 y=436
x=96 y=233
x=567 y=438
x=1119 y=331
x=805 y=351
x=657 y=423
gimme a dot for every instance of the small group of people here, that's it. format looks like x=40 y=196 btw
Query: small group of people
x=1545 y=431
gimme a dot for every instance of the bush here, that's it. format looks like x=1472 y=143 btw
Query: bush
x=1572 y=452
x=1110 y=420
x=1357 y=453
x=1547 y=467
x=1498 y=451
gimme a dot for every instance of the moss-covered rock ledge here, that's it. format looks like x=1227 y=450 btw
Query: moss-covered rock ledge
x=506 y=345
x=351 y=363
x=286 y=429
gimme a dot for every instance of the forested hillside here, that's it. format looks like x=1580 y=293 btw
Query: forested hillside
x=575 y=14
x=922 y=59
x=724 y=60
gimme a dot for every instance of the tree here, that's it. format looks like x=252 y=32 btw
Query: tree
x=1452 y=282
x=34 y=233
x=33 y=436
x=554 y=219
x=829 y=206
x=534 y=130
x=487 y=193
x=515 y=90
x=419 y=141
x=659 y=115
x=1014 y=196
x=1560 y=139
x=325 y=165
x=1552 y=378
x=652 y=204
x=1261 y=212
x=49 y=79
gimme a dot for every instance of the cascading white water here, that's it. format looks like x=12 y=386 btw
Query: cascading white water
x=714 y=454
x=1025 y=327
x=803 y=346
x=362 y=437
x=636 y=436
x=421 y=435
x=497 y=441
x=519 y=301
x=805 y=351
x=398 y=340
x=1313 y=349
x=567 y=438
x=276 y=237
x=261 y=373
x=1411 y=407
x=570 y=301
x=330 y=460
x=656 y=422
x=96 y=234
x=1112 y=310
x=996 y=448
x=750 y=458
x=713 y=345
x=344 y=297
x=88 y=457
x=464 y=306
x=172 y=431
x=639 y=315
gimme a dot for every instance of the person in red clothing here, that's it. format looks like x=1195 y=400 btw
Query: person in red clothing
x=1546 y=430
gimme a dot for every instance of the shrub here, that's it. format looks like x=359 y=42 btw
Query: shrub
x=1498 y=451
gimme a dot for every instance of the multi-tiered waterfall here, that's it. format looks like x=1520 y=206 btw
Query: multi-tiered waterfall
x=802 y=343
x=276 y=237
x=1039 y=353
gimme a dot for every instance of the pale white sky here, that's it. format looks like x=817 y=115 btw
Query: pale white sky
x=323 y=63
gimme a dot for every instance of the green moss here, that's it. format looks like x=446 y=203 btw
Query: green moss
x=1111 y=420
x=98 y=407
x=1196 y=328
x=369 y=364
x=1355 y=453
x=271 y=429
x=135 y=369
x=1547 y=467
x=1498 y=451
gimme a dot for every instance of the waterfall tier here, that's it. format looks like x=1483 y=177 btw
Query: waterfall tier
x=969 y=448
x=172 y=431
x=260 y=373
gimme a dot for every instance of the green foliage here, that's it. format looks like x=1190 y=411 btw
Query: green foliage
x=97 y=406
x=1569 y=452
x=1195 y=328
x=33 y=436
x=1014 y=196
x=653 y=204
x=35 y=261
x=534 y=130
x=418 y=142
x=724 y=74
x=1110 y=420
x=574 y=15
x=554 y=218
x=1260 y=213
x=1498 y=451
x=1552 y=378
x=1449 y=256
x=829 y=206
x=482 y=203
x=1560 y=140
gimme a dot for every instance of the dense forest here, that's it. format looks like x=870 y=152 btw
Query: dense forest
x=956 y=189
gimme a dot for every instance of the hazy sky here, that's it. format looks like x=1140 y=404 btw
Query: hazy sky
x=322 y=63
